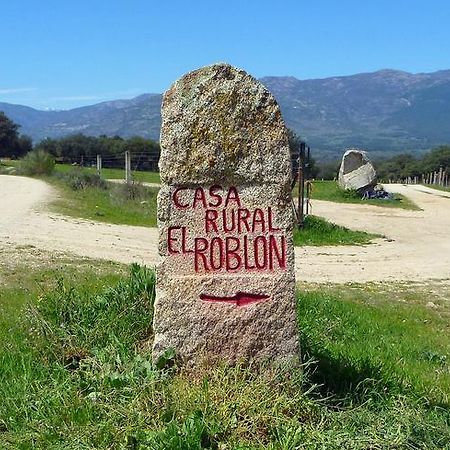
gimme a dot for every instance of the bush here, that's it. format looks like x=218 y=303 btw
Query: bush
x=79 y=179
x=37 y=162
x=132 y=191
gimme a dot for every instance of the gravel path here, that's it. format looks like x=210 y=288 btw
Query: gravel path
x=416 y=247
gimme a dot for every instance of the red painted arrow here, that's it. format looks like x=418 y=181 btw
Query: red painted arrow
x=238 y=299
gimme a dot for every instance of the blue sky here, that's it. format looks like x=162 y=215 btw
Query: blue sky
x=63 y=54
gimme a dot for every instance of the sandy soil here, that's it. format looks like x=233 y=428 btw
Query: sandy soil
x=416 y=244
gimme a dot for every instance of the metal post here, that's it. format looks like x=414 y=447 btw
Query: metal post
x=127 y=167
x=301 y=184
x=99 y=164
x=308 y=196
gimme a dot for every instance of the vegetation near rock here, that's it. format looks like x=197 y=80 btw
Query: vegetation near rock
x=37 y=162
x=399 y=166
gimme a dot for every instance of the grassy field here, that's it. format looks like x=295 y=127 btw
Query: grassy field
x=76 y=369
x=330 y=191
x=114 y=174
x=439 y=188
x=133 y=204
x=406 y=346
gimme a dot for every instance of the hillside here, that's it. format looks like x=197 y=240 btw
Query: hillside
x=139 y=116
x=385 y=112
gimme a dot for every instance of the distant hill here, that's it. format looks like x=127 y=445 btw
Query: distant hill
x=384 y=112
x=139 y=116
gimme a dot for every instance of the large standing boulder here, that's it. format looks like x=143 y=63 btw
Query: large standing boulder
x=226 y=283
x=357 y=171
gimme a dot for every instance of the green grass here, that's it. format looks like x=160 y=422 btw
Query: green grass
x=118 y=203
x=77 y=373
x=114 y=174
x=28 y=272
x=317 y=231
x=330 y=191
x=368 y=333
x=439 y=188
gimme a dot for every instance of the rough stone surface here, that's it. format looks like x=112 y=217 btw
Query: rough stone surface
x=357 y=171
x=225 y=288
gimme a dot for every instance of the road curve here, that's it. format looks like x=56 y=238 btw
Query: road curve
x=416 y=244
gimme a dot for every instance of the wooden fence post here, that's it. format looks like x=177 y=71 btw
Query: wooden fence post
x=99 y=164
x=127 y=167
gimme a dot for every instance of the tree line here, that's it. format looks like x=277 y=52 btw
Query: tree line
x=406 y=165
x=80 y=149
x=12 y=144
x=397 y=167
x=83 y=150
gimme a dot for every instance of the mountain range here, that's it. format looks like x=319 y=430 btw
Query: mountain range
x=385 y=112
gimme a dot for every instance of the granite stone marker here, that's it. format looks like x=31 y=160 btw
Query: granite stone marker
x=226 y=285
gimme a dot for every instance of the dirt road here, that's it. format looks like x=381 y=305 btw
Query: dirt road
x=417 y=244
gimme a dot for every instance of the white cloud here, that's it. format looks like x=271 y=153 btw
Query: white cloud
x=74 y=98
x=6 y=91
x=108 y=95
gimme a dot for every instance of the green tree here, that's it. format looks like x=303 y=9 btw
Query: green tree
x=329 y=170
x=50 y=145
x=438 y=157
x=24 y=145
x=8 y=135
x=144 y=153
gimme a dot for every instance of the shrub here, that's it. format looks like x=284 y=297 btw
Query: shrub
x=37 y=162
x=79 y=179
x=132 y=191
